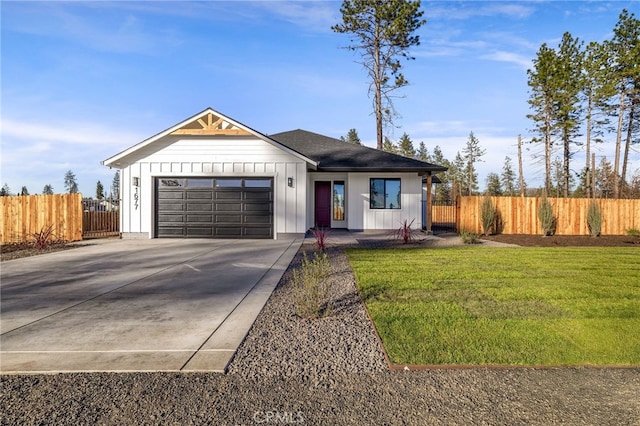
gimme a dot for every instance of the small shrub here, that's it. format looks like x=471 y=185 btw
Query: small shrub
x=311 y=286
x=594 y=219
x=404 y=232
x=546 y=218
x=469 y=237
x=488 y=216
x=321 y=235
x=44 y=238
x=633 y=232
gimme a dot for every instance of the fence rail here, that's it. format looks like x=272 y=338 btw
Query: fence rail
x=23 y=216
x=519 y=215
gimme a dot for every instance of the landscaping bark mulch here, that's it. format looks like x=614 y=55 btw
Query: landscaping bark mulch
x=566 y=240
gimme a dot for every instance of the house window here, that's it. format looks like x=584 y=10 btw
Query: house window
x=338 y=200
x=384 y=193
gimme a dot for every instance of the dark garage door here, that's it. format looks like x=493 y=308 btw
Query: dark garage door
x=214 y=207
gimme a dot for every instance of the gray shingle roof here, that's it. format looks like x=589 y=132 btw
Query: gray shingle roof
x=338 y=156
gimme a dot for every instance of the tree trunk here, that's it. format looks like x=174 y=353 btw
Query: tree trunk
x=593 y=176
x=587 y=168
x=566 y=170
x=547 y=161
x=616 y=162
x=520 y=173
x=625 y=158
x=378 y=87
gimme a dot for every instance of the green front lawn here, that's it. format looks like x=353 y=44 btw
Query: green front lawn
x=509 y=306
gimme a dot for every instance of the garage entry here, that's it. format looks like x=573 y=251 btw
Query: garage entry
x=214 y=207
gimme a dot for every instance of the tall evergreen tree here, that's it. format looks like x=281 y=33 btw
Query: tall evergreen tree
x=605 y=179
x=405 y=146
x=625 y=50
x=508 y=178
x=382 y=32
x=352 y=137
x=24 y=191
x=5 y=191
x=99 y=191
x=569 y=82
x=47 y=190
x=444 y=190
x=70 y=183
x=389 y=146
x=458 y=170
x=423 y=153
x=472 y=153
x=494 y=186
x=599 y=88
x=115 y=185
x=542 y=89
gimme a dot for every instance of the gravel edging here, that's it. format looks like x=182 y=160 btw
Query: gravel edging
x=326 y=371
x=282 y=344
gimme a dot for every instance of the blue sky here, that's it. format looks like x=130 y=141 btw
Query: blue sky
x=82 y=81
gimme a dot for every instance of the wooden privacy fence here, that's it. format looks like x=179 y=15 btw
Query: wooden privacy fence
x=519 y=215
x=23 y=216
x=443 y=217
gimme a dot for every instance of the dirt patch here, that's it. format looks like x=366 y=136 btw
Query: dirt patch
x=567 y=240
x=10 y=251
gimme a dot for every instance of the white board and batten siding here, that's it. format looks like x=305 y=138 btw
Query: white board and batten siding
x=221 y=157
x=362 y=217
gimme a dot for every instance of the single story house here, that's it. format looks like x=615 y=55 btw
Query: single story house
x=212 y=176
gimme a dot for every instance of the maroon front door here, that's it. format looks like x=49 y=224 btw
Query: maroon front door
x=323 y=204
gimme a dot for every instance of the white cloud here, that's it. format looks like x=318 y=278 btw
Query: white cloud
x=124 y=33
x=309 y=15
x=70 y=133
x=522 y=61
x=470 y=9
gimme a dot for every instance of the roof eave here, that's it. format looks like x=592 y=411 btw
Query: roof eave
x=379 y=169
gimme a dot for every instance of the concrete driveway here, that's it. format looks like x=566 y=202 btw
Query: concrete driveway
x=136 y=305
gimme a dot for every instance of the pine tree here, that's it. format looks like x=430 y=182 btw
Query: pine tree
x=383 y=32
x=472 y=153
x=405 y=146
x=599 y=88
x=508 y=178
x=625 y=51
x=47 y=190
x=5 y=191
x=458 y=168
x=444 y=190
x=494 y=186
x=569 y=82
x=70 y=183
x=115 y=185
x=423 y=153
x=352 y=137
x=605 y=179
x=24 y=191
x=99 y=191
x=542 y=90
x=389 y=146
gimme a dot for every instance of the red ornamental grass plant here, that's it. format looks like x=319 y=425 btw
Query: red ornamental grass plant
x=321 y=235
x=405 y=232
x=44 y=238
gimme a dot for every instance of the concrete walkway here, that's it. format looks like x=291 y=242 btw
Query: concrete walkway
x=145 y=305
